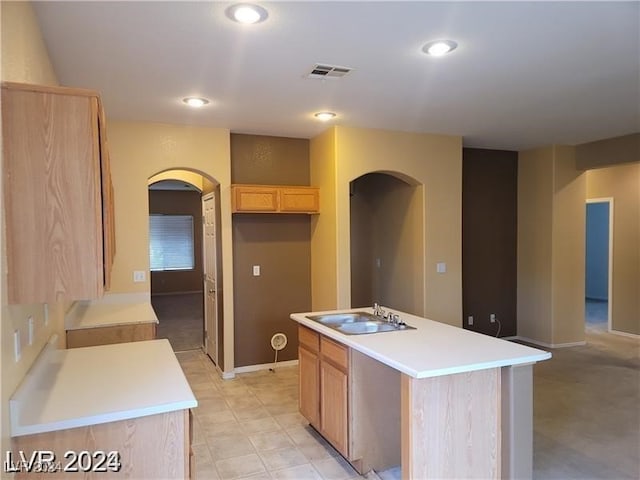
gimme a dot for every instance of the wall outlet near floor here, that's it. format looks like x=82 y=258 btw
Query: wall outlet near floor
x=470 y=320
x=139 y=276
x=492 y=318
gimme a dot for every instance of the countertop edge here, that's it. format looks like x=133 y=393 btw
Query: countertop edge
x=344 y=339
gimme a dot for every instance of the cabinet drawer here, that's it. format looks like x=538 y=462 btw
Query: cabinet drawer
x=334 y=352
x=308 y=338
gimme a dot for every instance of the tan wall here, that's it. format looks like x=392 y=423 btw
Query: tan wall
x=434 y=161
x=623 y=184
x=141 y=150
x=535 y=205
x=324 y=268
x=551 y=226
x=568 y=248
x=24 y=59
x=386 y=224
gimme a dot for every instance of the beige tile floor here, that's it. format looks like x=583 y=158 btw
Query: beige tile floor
x=249 y=427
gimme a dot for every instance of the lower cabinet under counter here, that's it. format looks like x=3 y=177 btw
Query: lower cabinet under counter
x=147 y=448
x=352 y=400
x=90 y=337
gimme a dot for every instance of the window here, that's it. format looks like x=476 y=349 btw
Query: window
x=171 y=242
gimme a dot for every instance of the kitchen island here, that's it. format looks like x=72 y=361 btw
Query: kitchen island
x=441 y=401
x=129 y=398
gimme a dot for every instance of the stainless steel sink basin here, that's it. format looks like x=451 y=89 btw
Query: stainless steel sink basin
x=357 y=323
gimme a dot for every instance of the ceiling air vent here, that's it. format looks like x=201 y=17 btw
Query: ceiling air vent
x=328 y=71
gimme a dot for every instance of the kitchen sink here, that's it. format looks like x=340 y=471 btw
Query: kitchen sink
x=357 y=323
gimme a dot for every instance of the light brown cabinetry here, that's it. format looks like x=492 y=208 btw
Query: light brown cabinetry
x=274 y=199
x=90 y=337
x=155 y=446
x=324 y=386
x=58 y=194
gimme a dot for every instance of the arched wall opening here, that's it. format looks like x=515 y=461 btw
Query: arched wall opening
x=387 y=241
x=181 y=192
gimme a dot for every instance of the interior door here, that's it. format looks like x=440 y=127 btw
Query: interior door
x=210 y=289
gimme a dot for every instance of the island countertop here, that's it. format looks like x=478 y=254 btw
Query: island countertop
x=92 y=385
x=432 y=349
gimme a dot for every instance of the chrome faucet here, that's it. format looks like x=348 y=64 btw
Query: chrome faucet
x=378 y=311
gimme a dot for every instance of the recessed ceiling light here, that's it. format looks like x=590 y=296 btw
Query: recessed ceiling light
x=247 y=13
x=438 y=48
x=195 y=102
x=324 y=116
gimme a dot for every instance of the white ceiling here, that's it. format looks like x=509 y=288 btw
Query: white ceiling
x=525 y=74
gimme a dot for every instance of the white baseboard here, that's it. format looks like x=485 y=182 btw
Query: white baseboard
x=226 y=375
x=265 y=366
x=625 y=334
x=548 y=345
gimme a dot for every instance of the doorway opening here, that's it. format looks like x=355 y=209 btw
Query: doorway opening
x=387 y=251
x=183 y=251
x=598 y=263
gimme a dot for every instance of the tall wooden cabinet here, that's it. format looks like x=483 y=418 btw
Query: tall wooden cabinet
x=58 y=194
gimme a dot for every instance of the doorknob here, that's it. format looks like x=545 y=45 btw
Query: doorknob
x=211 y=290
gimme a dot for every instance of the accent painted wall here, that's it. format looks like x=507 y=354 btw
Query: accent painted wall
x=622 y=182
x=342 y=154
x=279 y=244
x=489 y=240
x=140 y=150
x=551 y=224
x=24 y=59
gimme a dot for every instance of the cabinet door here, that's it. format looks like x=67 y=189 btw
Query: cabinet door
x=309 y=386
x=248 y=198
x=299 y=200
x=333 y=406
x=52 y=194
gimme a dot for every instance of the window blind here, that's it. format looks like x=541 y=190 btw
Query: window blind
x=171 y=242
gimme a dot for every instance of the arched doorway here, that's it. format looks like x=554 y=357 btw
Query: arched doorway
x=184 y=252
x=386 y=239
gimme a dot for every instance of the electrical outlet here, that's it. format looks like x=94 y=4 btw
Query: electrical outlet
x=30 y=329
x=441 y=267
x=256 y=270
x=470 y=320
x=139 y=276
x=492 y=318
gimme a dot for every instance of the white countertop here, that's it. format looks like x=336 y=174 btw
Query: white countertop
x=111 y=311
x=93 y=385
x=432 y=349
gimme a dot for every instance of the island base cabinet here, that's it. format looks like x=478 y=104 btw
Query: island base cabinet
x=150 y=448
x=451 y=426
x=334 y=417
x=309 y=367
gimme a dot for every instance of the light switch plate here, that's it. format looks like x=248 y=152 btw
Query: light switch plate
x=139 y=276
x=256 y=270
x=441 y=267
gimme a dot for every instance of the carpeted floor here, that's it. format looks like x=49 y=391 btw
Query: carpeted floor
x=181 y=320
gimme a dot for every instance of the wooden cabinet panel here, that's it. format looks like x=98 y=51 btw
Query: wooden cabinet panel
x=334 y=352
x=309 y=385
x=309 y=338
x=274 y=199
x=57 y=206
x=253 y=199
x=334 y=407
x=299 y=200
x=89 y=337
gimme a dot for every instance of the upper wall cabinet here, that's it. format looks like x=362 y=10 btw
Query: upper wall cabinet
x=58 y=194
x=274 y=199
